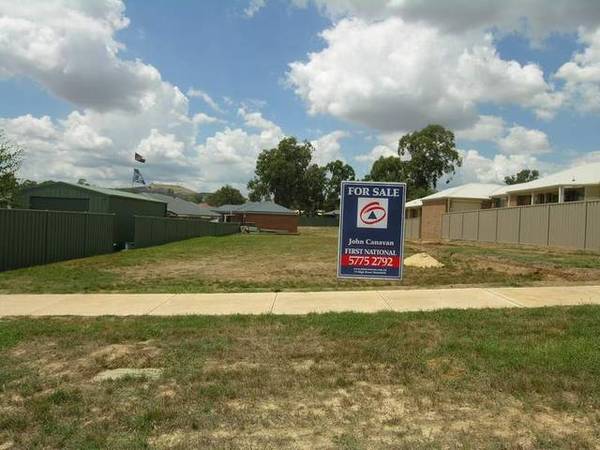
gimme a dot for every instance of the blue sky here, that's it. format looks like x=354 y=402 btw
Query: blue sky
x=200 y=88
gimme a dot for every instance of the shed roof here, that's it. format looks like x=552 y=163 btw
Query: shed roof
x=181 y=207
x=98 y=190
x=475 y=191
x=267 y=207
x=574 y=176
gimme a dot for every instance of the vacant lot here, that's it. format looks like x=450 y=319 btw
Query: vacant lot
x=448 y=379
x=307 y=261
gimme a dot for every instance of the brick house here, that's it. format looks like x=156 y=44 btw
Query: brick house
x=430 y=209
x=264 y=215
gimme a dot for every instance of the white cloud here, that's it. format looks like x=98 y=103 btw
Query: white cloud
x=536 y=18
x=162 y=147
x=376 y=152
x=269 y=131
x=254 y=7
x=79 y=133
x=480 y=169
x=516 y=140
x=201 y=119
x=393 y=74
x=487 y=128
x=582 y=73
x=328 y=147
x=36 y=128
x=70 y=49
x=64 y=150
x=590 y=157
x=524 y=141
x=230 y=155
x=202 y=95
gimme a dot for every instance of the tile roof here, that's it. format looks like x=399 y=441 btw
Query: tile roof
x=267 y=207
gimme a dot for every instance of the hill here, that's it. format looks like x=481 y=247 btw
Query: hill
x=171 y=189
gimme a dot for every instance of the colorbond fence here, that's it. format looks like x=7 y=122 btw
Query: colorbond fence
x=412 y=228
x=318 y=221
x=573 y=225
x=151 y=231
x=31 y=237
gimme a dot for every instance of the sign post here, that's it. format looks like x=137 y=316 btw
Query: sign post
x=371 y=235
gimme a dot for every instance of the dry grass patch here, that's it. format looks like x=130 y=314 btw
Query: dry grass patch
x=447 y=379
x=304 y=262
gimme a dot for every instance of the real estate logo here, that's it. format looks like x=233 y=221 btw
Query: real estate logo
x=372 y=212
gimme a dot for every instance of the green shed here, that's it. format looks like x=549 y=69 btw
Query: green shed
x=61 y=196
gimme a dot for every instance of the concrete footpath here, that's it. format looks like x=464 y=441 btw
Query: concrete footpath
x=293 y=302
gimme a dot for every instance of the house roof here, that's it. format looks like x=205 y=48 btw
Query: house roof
x=181 y=207
x=475 y=191
x=267 y=207
x=99 y=190
x=414 y=203
x=574 y=176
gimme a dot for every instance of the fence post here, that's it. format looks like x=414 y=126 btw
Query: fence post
x=496 y=234
x=548 y=232
x=478 y=222
x=46 y=240
x=519 y=226
x=85 y=234
x=587 y=204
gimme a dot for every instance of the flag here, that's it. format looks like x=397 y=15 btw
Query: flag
x=140 y=158
x=137 y=177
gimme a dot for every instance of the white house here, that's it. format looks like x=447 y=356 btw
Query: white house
x=569 y=185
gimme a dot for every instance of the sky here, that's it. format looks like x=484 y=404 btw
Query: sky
x=199 y=88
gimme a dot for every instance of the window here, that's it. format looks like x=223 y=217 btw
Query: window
x=523 y=200
x=546 y=197
x=499 y=202
x=574 y=195
x=412 y=213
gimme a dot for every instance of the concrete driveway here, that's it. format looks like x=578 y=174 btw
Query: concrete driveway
x=293 y=302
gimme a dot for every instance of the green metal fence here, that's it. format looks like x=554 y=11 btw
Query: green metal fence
x=32 y=237
x=151 y=231
x=318 y=221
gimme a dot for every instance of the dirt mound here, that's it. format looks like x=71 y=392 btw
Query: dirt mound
x=422 y=260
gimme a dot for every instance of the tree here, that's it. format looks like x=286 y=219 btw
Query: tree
x=10 y=160
x=391 y=169
x=313 y=193
x=83 y=182
x=432 y=153
x=523 y=176
x=227 y=195
x=281 y=173
x=336 y=172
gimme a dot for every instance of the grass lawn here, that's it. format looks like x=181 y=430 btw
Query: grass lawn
x=449 y=379
x=303 y=262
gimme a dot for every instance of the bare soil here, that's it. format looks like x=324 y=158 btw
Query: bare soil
x=524 y=379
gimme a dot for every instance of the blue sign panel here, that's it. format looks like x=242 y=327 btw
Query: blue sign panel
x=371 y=236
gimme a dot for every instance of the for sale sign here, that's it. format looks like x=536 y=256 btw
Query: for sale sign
x=371 y=236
